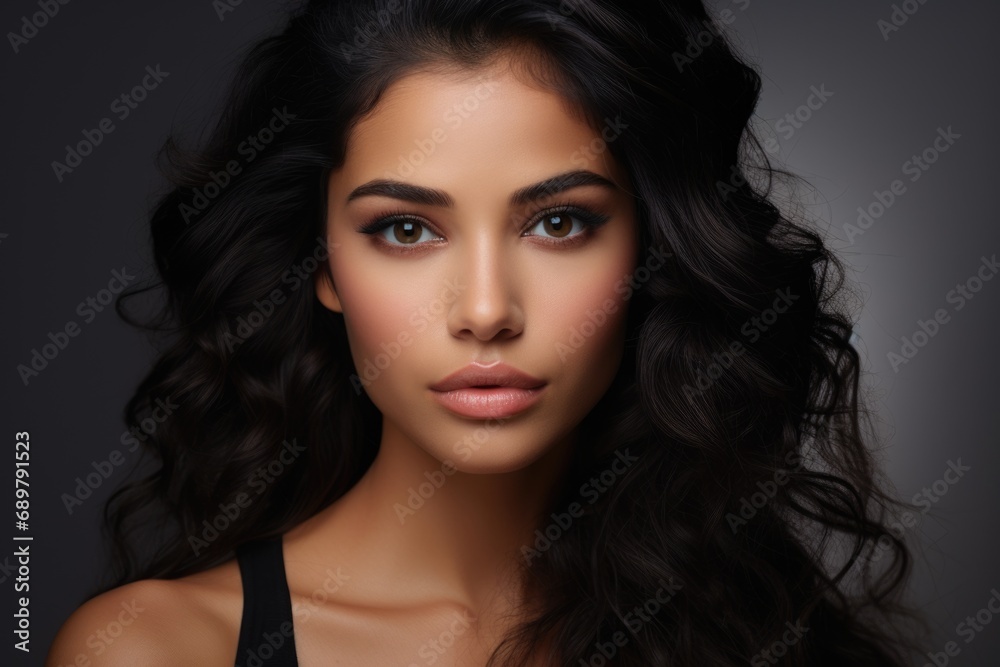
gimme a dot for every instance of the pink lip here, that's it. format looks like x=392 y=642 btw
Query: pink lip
x=497 y=375
x=482 y=403
x=481 y=392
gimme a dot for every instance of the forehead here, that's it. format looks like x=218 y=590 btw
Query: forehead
x=482 y=128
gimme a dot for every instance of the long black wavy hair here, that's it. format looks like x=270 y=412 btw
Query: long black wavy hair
x=755 y=525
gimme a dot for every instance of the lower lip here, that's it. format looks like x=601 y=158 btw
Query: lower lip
x=484 y=403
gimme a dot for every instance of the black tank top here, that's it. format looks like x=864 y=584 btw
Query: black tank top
x=267 y=637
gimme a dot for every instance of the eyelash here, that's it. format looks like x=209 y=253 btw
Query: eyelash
x=589 y=219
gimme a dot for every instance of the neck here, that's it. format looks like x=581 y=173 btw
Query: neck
x=435 y=534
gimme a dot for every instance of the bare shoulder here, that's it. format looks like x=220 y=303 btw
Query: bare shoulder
x=155 y=622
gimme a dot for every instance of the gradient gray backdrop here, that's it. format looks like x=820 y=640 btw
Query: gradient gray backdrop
x=60 y=243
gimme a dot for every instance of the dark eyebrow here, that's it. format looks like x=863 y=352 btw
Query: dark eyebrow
x=421 y=195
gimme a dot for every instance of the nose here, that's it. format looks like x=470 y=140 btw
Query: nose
x=489 y=305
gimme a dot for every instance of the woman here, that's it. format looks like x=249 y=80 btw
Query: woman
x=489 y=348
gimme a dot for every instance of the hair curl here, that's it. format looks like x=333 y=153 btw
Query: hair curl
x=719 y=413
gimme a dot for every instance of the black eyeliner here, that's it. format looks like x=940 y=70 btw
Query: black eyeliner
x=590 y=219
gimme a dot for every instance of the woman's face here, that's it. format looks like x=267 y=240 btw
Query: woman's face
x=473 y=273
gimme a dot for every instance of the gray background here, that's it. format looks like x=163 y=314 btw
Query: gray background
x=63 y=240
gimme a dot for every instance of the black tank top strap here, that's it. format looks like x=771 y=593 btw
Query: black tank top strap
x=267 y=637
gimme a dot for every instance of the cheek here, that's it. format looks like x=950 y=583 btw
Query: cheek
x=374 y=312
x=389 y=315
x=585 y=318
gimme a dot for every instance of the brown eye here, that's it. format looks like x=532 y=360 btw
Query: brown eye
x=406 y=231
x=398 y=229
x=565 y=225
x=557 y=225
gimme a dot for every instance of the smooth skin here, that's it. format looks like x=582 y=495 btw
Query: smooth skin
x=379 y=578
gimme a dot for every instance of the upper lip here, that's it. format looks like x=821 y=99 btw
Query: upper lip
x=476 y=375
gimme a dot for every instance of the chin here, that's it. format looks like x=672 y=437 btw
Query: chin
x=490 y=447
x=498 y=460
